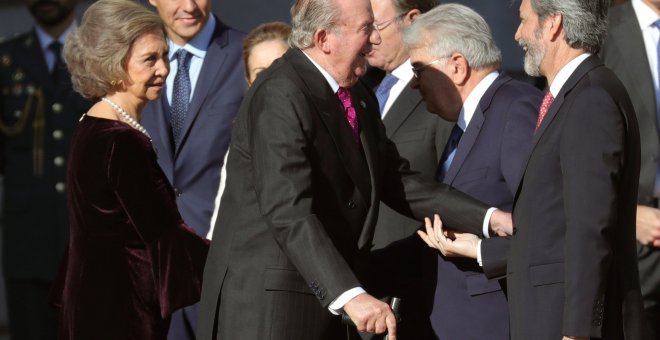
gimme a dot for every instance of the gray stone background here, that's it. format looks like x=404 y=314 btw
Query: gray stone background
x=502 y=15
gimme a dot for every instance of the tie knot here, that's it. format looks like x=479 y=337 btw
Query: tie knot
x=387 y=82
x=657 y=24
x=345 y=96
x=547 y=100
x=55 y=47
x=182 y=58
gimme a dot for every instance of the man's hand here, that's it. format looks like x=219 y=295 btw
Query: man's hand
x=501 y=223
x=371 y=315
x=648 y=226
x=574 y=338
x=449 y=243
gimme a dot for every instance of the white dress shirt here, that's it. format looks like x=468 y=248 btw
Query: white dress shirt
x=403 y=74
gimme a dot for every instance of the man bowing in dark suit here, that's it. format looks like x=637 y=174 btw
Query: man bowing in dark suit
x=571 y=268
x=191 y=124
x=455 y=62
x=631 y=51
x=419 y=137
x=308 y=165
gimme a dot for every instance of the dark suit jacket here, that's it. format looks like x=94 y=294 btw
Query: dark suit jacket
x=297 y=217
x=420 y=137
x=486 y=166
x=625 y=54
x=572 y=263
x=193 y=168
x=33 y=159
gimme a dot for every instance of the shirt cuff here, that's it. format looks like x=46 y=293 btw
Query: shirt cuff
x=337 y=306
x=486 y=225
x=481 y=263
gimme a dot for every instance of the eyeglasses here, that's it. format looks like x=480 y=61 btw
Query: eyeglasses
x=383 y=25
x=418 y=70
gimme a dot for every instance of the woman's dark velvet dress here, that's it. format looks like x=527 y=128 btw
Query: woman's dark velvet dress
x=131 y=260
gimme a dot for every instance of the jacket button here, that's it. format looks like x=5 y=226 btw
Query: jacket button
x=351 y=205
x=57 y=107
x=515 y=230
x=58 y=161
x=58 y=134
x=60 y=187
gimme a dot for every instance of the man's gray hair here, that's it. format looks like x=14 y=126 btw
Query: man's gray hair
x=308 y=16
x=454 y=28
x=405 y=6
x=584 y=21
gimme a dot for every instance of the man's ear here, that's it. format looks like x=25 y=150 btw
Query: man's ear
x=409 y=17
x=555 y=22
x=321 y=40
x=459 y=68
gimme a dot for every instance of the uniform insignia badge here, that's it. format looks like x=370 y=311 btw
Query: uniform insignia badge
x=18 y=76
x=5 y=60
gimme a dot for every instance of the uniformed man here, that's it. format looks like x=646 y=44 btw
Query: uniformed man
x=38 y=112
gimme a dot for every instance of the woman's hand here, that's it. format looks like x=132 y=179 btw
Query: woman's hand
x=449 y=243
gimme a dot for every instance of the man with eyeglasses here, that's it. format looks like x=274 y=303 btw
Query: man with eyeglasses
x=419 y=137
x=456 y=63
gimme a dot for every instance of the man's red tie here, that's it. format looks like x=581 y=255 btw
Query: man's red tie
x=351 y=116
x=545 y=105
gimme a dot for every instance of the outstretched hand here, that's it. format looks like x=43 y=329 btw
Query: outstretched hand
x=449 y=243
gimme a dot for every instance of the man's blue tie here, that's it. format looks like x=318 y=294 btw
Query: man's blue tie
x=448 y=154
x=383 y=91
x=180 y=95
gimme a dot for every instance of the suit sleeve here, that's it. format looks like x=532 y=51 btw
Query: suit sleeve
x=411 y=194
x=283 y=185
x=176 y=253
x=517 y=136
x=591 y=159
x=494 y=256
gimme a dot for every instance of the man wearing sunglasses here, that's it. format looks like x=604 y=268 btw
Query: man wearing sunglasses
x=455 y=66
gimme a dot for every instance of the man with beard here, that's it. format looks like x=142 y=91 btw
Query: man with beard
x=38 y=111
x=571 y=267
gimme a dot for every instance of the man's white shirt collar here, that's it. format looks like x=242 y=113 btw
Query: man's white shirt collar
x=199 y=44
x=565 y=73
x=331 y=81
x=473 y=99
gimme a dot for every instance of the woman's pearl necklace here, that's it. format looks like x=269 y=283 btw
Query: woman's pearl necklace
x=126 y=117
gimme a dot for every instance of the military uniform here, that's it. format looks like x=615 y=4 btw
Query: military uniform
x=38 y=111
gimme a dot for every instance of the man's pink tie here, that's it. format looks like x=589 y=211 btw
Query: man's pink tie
x=545 y=105
x=351 y=116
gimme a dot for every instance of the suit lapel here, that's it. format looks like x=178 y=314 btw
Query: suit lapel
x=333 y=116
x=369 y=145
x=162 y=124
x=402 y=108
x=474 y=128
x=210 y=72
x=586 y=66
